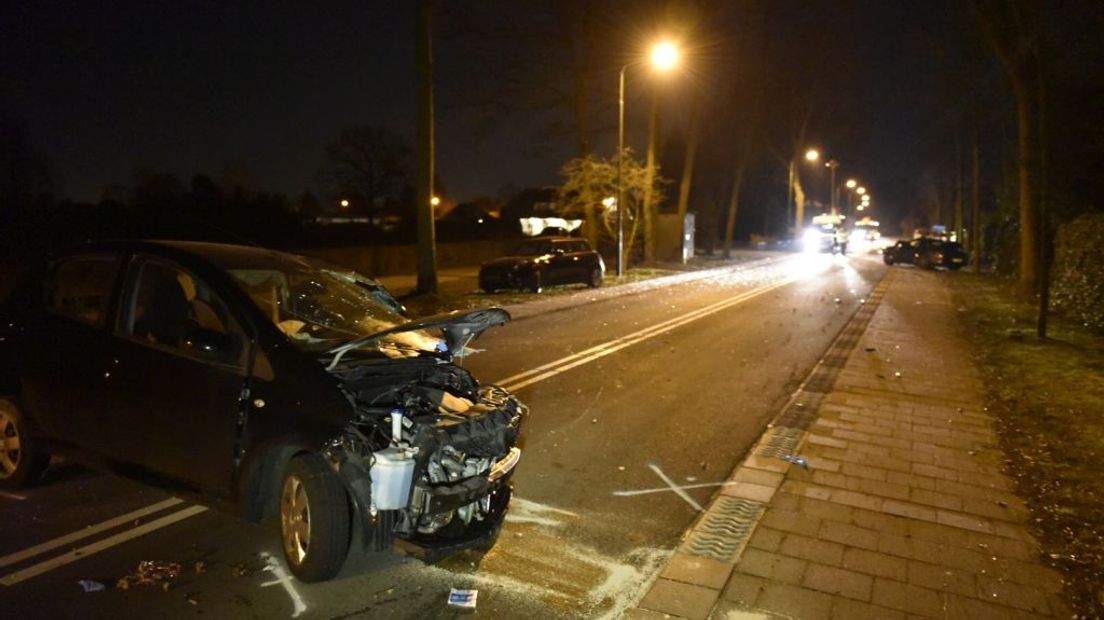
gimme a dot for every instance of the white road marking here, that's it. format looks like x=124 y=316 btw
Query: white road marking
x=62 y=541
x=700 y=485
x=674 y=487
x=551 y=369
x=283 y=579
x=525 y=511
x=87 y=550
x=12 y=496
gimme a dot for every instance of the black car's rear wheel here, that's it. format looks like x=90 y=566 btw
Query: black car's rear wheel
x=314 y=519
x=595 y=279
x=20 y=463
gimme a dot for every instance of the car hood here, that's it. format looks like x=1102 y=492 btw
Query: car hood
x=459 y=330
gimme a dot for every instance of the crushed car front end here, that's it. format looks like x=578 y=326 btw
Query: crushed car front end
x=428 y=457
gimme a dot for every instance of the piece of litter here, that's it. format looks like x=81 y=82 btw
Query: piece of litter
x=897 y=374
x=200 y=567
x=838 y=300
x=620 y=468
x=91 y=586
x=870 y=349
x=594 y=420
x=462 y=598
x=796 y=460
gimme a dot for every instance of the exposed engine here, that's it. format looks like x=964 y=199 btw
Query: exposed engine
x=429 y=450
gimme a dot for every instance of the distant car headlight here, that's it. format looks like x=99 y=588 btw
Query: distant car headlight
x=812 y=240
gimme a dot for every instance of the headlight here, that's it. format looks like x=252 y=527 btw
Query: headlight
x=812 y=239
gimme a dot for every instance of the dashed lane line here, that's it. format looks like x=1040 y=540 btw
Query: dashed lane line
x=87 y=550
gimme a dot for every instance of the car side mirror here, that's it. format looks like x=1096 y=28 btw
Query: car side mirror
x=212 y=345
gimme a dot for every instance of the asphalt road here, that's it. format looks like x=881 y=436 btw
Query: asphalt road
x=630 y=396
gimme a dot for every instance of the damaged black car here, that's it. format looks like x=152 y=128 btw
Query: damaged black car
x=264 y=383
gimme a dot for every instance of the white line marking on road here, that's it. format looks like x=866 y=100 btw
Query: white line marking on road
x=61 y=541
x=12 y=496
x=87 y=550
x=551 y=369
x=674 y=487
x=525 y=511
x=700 y=485
x=283 y=579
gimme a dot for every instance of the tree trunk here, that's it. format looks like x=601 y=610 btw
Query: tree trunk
x=423 y=194
x=976 y=246
x=733 y=206
x=1029 y=246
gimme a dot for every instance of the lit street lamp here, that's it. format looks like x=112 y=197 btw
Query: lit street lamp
x=832 y=164
x=664 y=56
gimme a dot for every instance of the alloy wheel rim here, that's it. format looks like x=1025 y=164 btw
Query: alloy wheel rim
x=10 y=450
x=295 y=519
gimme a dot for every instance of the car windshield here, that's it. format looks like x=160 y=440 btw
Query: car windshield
x=319 y=307
x=533 y=248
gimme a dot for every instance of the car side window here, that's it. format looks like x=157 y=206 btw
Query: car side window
x=80 y=288
x=170 y=307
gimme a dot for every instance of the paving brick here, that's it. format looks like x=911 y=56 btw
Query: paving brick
x=859 y=500
x=934 y=498
x=744 y=589
x=838 y=581
x=914 y=456
x=965 y=521
x=850 y=535
x=804 y=489
x=823 y=464
x=823 y=440
x=758 y=476
x=795 y=602
x=907 y=598
x=886 y=461
x=909 y=510
x=882 y=522
x=680 y=599
x=766 y=463
x=911 y=480
x=822 y=551
x=934 y=472
x=790 y=521
x=941 y=578
x=826 y=510
x=975 y=609
x=848 y=609
x=1012 y=594
x=771 y=566
x=989 y=508
x=903 y=547
x=840 y=433
x=884 y=489
x=697 y=570
x=1030 y=573
x=941 y=534
x=754 y=492
x=644 y=614
x=875 y=563
x=765 y=538
x=863 y=471
x=832 y=479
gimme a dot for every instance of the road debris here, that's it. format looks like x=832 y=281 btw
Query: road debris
x=796 y=460
x=91 y=586
x=462 y=598
x=151 y=572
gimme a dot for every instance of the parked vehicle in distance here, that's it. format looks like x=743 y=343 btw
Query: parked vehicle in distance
x=927 y=253
x=541 y=262
x=262 y=383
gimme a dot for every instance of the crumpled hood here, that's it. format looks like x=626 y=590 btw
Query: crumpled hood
x=459 y=329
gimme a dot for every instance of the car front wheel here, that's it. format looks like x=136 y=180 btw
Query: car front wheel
x=314 y=519
x=20 y=463
x=535 y=284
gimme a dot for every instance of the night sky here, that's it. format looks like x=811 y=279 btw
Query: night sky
x=204 y=87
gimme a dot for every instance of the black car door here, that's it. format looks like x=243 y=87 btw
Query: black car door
x=561 y=267
x=64 y=350
x=179 y=371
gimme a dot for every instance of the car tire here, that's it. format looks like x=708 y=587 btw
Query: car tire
x=21 y=464
x=887 y=259
x=595 y=279
x=535 y=284
x=314 y=519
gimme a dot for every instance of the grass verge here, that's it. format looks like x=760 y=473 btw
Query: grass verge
x=1048 y=399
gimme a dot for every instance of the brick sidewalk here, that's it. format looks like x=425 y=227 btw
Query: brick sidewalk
x=902 y=511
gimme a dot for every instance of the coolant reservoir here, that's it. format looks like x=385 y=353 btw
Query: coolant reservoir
x=392 y=473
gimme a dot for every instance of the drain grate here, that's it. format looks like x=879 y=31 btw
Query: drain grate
x=779 y=441
x=721 y=534
x=801 y=412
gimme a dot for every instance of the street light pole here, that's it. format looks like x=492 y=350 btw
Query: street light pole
x=832 y=165
x=620 y=163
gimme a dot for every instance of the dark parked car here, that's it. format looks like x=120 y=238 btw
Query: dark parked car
x=542 y=262
x=265 y=383
x=927 y=253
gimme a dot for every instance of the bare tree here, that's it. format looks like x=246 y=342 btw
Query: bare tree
x=423 y=193
x=371 y=163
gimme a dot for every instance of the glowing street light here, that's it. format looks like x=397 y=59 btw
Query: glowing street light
x=436 y=200
x=344 y=204
x=860 y=190
x=812 y=155
x=664 y=56
x=851 y=183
